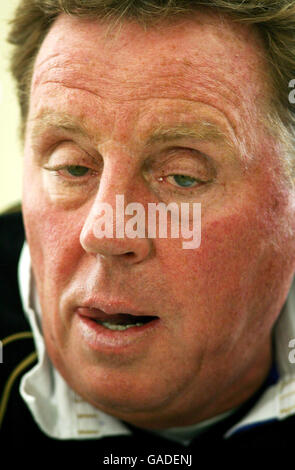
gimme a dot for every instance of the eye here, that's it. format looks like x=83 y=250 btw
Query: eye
x=70 y=172
x=74 y=176
x=183 y=181
x=77 y=170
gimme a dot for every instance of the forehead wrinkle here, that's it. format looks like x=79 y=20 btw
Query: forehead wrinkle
x=66 y=70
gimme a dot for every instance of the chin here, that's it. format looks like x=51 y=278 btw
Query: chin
x=135 y=398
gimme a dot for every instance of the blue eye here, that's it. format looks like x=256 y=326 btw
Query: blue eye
x=77 y=170
x=184 y=181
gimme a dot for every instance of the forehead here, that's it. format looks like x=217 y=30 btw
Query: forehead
x=186 y=45
x=205 y=59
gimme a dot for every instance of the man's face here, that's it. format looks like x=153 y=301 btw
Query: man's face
x=124 y=113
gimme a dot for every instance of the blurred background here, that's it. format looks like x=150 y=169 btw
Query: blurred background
x=10 y=150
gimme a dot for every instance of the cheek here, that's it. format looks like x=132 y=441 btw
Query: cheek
x=53 y=237
x=225 y=278
x=223 y=252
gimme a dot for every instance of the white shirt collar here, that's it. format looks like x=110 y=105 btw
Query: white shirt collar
x=62 y=414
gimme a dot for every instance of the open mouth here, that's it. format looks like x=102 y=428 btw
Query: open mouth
x=124 y=321
x=109 y=330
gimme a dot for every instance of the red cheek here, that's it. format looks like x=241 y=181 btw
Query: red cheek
x=54 y=238
x=220 y=262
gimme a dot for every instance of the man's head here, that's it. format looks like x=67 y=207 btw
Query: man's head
x=123 y=110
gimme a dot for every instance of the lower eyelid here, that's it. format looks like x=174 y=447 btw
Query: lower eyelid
x=67 y=177
x=82 y=184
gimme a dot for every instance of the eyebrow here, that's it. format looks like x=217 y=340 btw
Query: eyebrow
x=201 y=130
x=58 y=121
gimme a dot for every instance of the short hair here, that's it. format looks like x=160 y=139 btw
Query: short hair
x=275 y=20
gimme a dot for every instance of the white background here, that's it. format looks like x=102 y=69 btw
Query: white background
x=10 y=146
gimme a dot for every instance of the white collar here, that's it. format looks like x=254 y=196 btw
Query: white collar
x=62 y=414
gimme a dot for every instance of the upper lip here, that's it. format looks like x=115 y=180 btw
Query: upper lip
x=111 y=307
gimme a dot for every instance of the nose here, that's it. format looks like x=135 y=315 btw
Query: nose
x=104 y=232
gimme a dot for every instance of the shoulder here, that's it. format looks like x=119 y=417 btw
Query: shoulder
x=12 y=237
x=275 y=434
x=17 y=346
x=11 y=241
x=11 y=230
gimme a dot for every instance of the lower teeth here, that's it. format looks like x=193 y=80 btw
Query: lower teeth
x=112 y=326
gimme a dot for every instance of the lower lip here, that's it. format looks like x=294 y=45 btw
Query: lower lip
x=102 y=339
